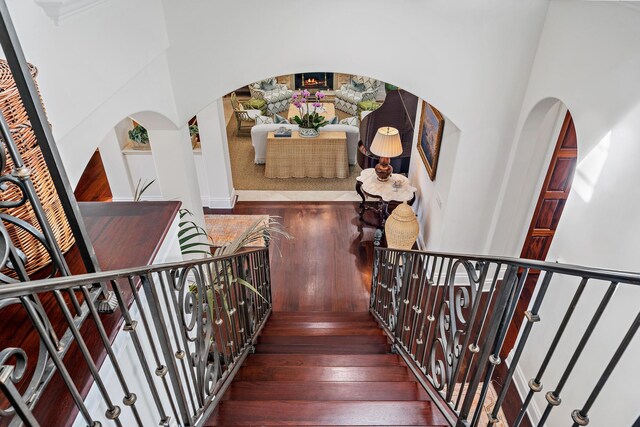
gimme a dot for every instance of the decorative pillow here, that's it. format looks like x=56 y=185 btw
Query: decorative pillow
x=279 y=120
x=268 y=85
x=358 y=87
x=264 y=120
x=351 y=121
x=334 y=121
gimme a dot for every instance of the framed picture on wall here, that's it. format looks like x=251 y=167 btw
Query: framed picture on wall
x=430 y=137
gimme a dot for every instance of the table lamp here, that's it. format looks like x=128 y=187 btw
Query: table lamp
x=386 y=144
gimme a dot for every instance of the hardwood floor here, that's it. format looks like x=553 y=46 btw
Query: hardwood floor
x=334 y=377
x=327 y=266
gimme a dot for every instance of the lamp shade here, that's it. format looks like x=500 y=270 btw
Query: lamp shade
x=387 y=142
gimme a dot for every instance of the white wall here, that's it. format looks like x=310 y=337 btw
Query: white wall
x=470 y=60
x=588 y=57
x=432 y=196
x=96 y=68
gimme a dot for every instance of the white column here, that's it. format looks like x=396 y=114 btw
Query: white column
x=173 y=158
x=215 y=155
x=115 y=167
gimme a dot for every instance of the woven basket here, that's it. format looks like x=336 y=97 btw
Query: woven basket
x=16 y=116
x=401 y=228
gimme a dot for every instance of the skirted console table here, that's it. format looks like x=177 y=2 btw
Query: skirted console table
x=325 y=156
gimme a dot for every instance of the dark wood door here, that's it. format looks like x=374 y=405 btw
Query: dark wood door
x=551 y=201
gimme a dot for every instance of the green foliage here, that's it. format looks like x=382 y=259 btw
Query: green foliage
x=190 y=236
x=311 y=121
x=139 y=134
x=141 y=187
x=193 y=130
x=223 y=272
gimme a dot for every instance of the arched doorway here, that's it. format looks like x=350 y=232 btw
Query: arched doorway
x=551 y=199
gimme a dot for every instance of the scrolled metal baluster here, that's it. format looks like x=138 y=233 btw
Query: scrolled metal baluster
x=501 y=304
x=477 y=284
x=474 y=347
x=11 y=375
x=580 y=416
x=415 y=306
x=113 y=411
x=57 y=361
x=182 y=349
x=131 y=328
x=431 y=318
x=161 y=370
x=532 y=317
x=496 y=344
x=553 y=397
x=221 y=323
x=230 y=309
x=155 y=307
x=535 y=384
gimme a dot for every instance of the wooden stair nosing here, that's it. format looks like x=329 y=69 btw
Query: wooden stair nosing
x=323 y=360
x=319 y=391
x=323 y=349
x=324 y=373
x=323 y=340
x=294 y=412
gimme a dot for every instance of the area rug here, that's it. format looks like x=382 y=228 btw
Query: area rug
x=249 y=176
x=487 y=407
x=223 y=229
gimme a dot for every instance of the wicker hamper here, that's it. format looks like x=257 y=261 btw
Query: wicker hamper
x=16 y=116
x=402 y=228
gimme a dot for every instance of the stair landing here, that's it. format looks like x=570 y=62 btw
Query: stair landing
x=322 y=368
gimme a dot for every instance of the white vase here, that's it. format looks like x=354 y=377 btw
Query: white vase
x=308 y=133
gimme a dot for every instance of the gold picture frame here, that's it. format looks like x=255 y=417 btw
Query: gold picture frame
x=430 y=137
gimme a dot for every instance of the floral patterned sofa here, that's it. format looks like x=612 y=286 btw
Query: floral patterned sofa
x=278 y=96
x=358 y=89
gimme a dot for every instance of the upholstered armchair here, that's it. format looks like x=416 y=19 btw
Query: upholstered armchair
x=247 y=118
x=278 y=96
x=357 y=90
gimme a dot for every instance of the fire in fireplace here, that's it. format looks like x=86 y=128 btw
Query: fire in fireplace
x=319 y=81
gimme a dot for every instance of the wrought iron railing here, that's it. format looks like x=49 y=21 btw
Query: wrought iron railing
x=186 y=329
x=449 y=316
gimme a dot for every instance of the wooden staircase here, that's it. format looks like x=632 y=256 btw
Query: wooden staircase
x=323 y=368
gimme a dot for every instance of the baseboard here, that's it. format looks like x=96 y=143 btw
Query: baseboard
x=220 y=202
x=522 y=385
x=144 y=198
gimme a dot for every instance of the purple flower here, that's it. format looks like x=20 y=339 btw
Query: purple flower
x=306 y=93
x=296 y=95
x=297 y=104
x=317 y=104
x=320 y=95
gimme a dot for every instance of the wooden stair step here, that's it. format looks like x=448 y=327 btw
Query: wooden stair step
x=323 y=373
x=321 y=316
x=294 y=412
x=319 y=391
x=318 y=332
x=322 y=340
x=323 y=349
x=323 y=360
x=311 y=324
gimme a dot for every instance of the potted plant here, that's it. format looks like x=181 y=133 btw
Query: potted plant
x=309 y=121
x=195 y=135
x=140 y=137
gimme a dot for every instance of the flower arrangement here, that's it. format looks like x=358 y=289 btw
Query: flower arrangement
x=309 y=117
